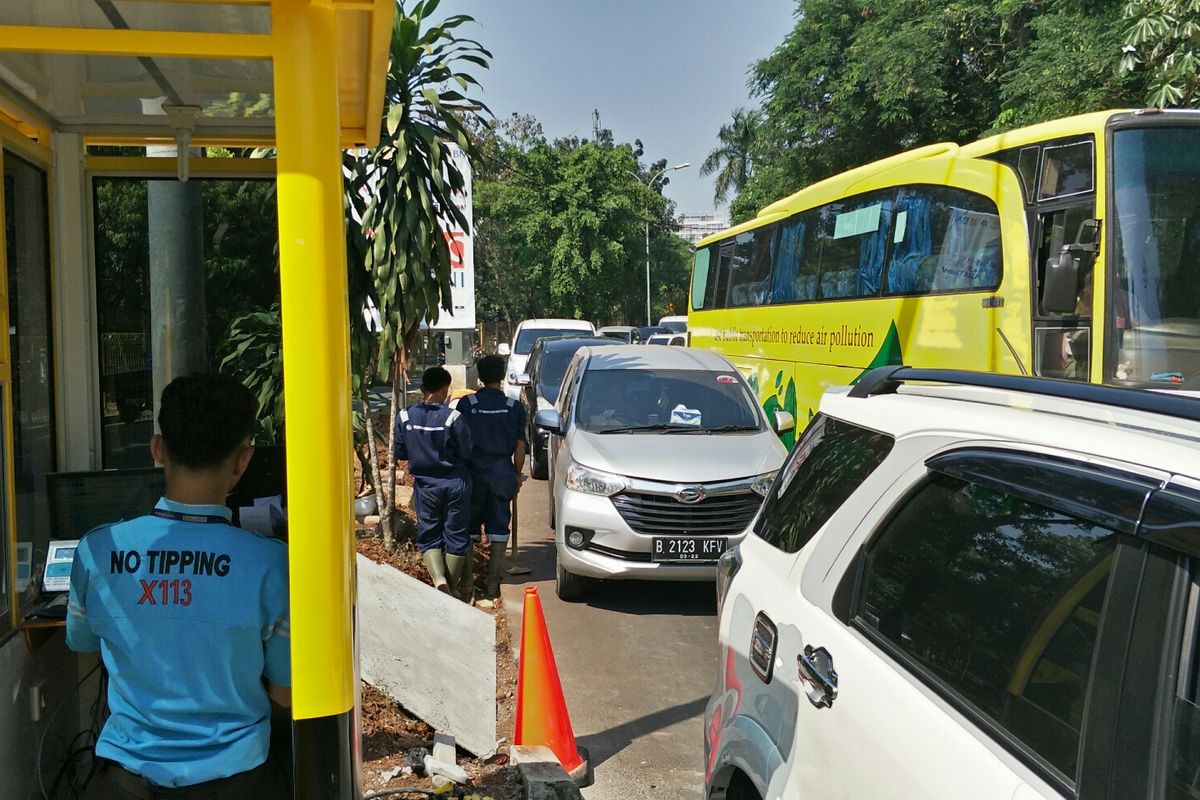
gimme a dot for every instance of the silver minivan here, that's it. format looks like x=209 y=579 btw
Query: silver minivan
x=659 y=459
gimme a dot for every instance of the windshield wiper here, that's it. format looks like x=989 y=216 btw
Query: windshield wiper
x=729 y=428
x=658 y=426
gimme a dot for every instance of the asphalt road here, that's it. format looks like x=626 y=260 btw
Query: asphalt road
x=637 y=662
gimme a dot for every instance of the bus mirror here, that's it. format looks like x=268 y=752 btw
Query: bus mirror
x=1060 y=283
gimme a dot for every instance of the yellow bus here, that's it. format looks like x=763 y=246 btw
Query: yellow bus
x=1069 y=249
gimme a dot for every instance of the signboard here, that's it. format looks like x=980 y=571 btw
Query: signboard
x=462 y=256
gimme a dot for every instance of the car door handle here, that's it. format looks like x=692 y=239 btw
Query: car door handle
x=818 y=675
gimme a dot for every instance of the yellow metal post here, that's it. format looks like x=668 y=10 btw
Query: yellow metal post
x=316 y=348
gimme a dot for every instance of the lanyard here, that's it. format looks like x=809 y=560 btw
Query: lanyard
x=207 y=519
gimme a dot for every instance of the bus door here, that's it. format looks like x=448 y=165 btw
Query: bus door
x=1061 y=196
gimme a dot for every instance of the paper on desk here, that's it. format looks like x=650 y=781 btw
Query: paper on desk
x=260 y=519
x=275 y=500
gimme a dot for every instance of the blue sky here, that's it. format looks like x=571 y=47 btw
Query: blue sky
x=669 y=72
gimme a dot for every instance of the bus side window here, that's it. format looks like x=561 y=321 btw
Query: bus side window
x=852 y=244
x=700 y=278
x=750 y=268
x=792 y=281
x=944 y=240
x=718 y=280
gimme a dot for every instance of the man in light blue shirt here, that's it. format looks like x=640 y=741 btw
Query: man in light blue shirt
x=190 y=616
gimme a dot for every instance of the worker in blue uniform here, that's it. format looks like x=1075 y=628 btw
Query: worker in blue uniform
x=435 y=441
x=190 y=616
x=497 y=425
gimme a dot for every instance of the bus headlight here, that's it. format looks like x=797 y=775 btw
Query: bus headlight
x=593 y=481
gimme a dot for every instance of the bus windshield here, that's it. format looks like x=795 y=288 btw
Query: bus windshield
x=1155 y=312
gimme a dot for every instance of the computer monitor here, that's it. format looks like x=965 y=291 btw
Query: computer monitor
x=80 y=501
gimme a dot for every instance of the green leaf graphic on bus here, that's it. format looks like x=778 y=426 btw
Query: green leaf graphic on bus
x=784 y=399
x=890 y=353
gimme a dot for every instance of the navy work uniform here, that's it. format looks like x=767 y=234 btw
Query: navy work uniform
x=435 y=441
x=497 y=423
x=189 y=614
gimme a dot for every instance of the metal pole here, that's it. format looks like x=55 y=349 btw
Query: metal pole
x=316 y=367
x=648 y=322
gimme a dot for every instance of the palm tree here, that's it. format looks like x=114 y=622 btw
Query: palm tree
x=731 y=160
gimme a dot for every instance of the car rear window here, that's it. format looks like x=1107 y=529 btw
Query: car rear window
x=529 y=336
x=828 y=463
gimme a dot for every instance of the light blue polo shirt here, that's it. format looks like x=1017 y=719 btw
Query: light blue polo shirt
x=189 y=614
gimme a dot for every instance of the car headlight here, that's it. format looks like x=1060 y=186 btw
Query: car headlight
x=512 y=378
x=593 y=481
x=762 y=484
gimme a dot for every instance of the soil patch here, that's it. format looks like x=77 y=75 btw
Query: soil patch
x=390 y=731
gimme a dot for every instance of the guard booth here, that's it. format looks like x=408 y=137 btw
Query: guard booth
x=100 y=93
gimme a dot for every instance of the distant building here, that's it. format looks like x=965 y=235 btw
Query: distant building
x=694 y=227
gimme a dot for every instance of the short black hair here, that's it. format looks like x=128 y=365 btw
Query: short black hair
x=434 y=380
x=491 y=369
x=205 y=418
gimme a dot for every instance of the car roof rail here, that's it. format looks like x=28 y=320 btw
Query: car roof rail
x=886 y=380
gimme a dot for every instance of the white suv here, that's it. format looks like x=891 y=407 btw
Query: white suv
x=987 y=588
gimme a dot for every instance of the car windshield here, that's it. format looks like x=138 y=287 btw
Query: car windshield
x=551 y=369
x=1155 y=309
x=664 y=401
x=529 y=336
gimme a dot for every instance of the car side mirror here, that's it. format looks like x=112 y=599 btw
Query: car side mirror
x=549 y=420
x=523 y=379
x=503 y=349
x=784 y=422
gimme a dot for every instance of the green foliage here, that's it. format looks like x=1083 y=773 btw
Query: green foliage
x=1163 y=42
x=561 y=229
x=1067 y=66
x=858 y=80
x=403 y=189
x=252 y=352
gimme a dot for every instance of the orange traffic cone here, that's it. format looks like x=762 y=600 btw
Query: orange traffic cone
x=542 y=717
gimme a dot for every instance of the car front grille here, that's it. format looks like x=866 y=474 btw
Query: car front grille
x=663 y=515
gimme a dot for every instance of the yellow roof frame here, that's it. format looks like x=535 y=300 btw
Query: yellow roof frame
x=329 y=69
x=364 y=29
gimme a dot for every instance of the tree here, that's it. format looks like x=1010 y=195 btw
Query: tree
x=731 y=159
x=1163 y=42
x=561 y=228
x=858 y=80
x=401 y=197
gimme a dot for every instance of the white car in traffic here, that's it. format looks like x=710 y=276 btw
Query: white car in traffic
x=529 y=331
x=659 y=457
x=967 y=586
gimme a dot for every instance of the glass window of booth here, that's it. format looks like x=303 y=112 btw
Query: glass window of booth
x=27 y=247
x=186 y=273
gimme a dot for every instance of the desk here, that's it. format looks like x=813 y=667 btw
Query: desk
x=39 y=630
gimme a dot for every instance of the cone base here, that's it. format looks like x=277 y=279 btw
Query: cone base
x=582 y=775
